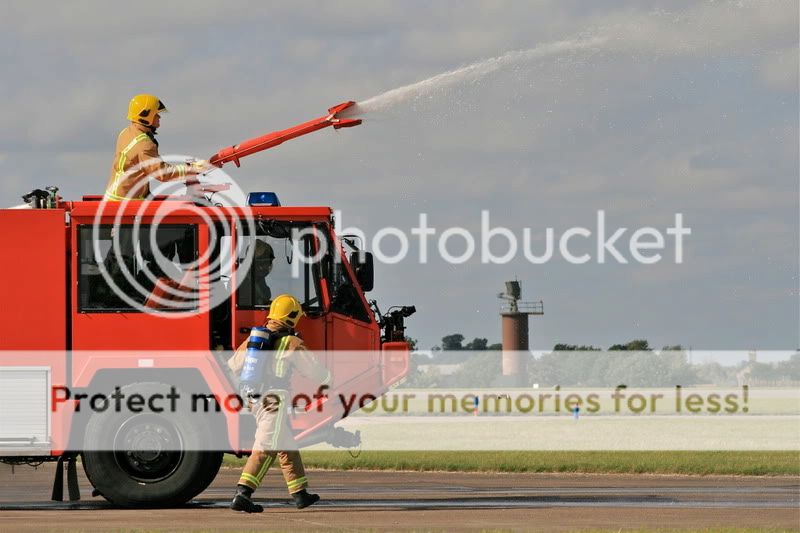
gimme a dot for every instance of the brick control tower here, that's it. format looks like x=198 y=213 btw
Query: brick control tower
x=514 y=316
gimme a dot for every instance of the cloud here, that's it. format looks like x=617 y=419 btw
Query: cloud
x=779 y=70
x=689 y=108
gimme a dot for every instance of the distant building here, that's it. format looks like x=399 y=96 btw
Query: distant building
x=442 y=370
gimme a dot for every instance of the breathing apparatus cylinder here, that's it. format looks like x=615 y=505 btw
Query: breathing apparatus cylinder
x=251 y=379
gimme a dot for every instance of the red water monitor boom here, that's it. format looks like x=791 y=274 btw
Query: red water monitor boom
x=251 y=146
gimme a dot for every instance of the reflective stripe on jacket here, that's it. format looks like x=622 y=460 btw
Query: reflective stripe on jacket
x=136 y=160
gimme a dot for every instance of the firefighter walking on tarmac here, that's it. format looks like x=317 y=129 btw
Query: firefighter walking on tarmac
x=265 y=363
x=136 y=158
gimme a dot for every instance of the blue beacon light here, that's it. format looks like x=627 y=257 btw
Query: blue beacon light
x=263 y=199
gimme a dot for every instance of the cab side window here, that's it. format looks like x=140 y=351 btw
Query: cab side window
x=273 y=270
x=121 y=270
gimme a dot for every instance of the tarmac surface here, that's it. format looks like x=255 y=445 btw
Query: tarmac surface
x=426 y=501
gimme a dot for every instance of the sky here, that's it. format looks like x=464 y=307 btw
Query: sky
x=680 y=107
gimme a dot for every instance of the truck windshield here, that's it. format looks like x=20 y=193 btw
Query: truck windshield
x=275 y=267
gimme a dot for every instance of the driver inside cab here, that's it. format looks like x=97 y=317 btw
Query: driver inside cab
x=254 y=288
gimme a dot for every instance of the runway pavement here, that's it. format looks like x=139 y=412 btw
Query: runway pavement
x=438 y=501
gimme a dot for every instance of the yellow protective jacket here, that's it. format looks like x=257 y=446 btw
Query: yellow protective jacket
x=136 y=160
x=290 y=354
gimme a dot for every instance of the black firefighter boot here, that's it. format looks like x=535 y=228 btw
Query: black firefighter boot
x=242 y=502
x=303 y=499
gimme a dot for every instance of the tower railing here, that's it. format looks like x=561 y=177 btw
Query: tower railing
x=527 y=308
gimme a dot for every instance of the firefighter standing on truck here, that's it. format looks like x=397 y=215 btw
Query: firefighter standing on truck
x=265 y=362
x=136 y=158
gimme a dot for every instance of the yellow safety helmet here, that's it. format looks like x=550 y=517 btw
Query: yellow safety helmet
x=144 y=107
x=286 y=309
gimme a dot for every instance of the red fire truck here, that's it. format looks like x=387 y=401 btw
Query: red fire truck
x=74 y=326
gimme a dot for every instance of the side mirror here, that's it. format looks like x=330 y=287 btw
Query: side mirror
x=363 y=266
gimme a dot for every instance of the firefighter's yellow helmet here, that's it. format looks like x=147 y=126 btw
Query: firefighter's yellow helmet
x=144 y=107
x=286 y=309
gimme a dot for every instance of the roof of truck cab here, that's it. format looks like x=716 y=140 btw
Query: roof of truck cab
x=91 y=208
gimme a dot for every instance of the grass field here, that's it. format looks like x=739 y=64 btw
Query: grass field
x=668 y=462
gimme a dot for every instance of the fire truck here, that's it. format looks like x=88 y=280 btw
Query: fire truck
x=74 y=326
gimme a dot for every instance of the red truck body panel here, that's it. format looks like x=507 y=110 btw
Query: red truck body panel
x=34 y=274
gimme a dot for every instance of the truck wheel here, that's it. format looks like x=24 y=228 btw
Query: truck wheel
x=148 y=459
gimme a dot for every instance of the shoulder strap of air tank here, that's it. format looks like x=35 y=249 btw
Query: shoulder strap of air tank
x=277 y=336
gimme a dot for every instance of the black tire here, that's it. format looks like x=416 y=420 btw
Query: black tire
x=143 y=478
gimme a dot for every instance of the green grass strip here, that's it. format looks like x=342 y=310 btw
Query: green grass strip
x=634 y=462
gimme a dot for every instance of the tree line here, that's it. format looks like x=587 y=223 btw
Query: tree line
x=634 y=363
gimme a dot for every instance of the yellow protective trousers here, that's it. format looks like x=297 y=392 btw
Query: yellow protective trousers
x=274 y=438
